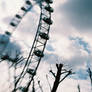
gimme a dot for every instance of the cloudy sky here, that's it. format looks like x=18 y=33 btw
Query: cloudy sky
x=70 y=39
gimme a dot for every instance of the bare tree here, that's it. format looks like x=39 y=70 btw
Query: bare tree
x=40 y=86
x=90 y=75
x=57 y=76
x=78 y=88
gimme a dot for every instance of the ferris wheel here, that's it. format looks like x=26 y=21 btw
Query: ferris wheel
x=23 y=79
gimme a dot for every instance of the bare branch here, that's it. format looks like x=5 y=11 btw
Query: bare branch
x=40 y=86
x=78 y=88
x=48 y=82
x=52 y=73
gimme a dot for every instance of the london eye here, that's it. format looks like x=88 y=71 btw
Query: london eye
x=24 y=79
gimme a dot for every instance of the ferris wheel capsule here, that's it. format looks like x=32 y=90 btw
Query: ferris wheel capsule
x=7 y=33
x=24 y=9
x=38 y=53
x=47 y=20
x=49 y=1
x=50 y=9
x=44 y=35
x=18 y=16
x=13 y=24
x=28 y=2
x=31 y=71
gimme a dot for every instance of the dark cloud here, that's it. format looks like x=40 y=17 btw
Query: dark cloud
x=78 y=13
x=4 y=39
x=8 y=47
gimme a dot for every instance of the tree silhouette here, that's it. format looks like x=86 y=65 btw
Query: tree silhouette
x=57 y=76
x=78 y=88
x=90 y=75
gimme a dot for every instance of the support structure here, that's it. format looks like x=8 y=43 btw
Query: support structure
x=23 y=80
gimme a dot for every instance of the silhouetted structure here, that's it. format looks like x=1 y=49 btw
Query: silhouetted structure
x=90 y=75
x=60 y=72
x=78 y=88
x=37 y=51
x=33 y=87
x=40 y=86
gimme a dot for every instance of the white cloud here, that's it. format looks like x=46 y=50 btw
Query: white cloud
x=71 y=52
